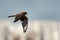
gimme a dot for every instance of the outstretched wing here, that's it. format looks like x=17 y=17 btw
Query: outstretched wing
x=25 y=24
x=12 y=16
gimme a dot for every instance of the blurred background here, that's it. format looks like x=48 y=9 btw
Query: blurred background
x=44 y=20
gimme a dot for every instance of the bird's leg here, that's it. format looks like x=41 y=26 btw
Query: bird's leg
x=24 y=29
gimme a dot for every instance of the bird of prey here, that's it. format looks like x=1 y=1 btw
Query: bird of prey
x=24 y=19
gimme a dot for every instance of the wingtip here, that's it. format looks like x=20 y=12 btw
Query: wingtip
x=8 y=16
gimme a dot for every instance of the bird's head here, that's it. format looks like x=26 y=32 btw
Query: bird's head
x=25 y=13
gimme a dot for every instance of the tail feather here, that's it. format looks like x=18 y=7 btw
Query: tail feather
x=12 y=16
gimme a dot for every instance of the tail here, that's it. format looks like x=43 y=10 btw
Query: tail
x=12 y=16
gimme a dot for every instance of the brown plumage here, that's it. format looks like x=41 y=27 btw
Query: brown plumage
x=24 y=19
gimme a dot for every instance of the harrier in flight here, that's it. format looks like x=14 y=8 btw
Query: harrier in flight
x=24 y=19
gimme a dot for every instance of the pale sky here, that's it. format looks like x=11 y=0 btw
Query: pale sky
x=37 y=9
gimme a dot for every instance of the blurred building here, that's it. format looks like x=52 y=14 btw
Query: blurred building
x=37 y=30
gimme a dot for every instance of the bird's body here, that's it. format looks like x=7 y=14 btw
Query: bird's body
x=21 y=16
